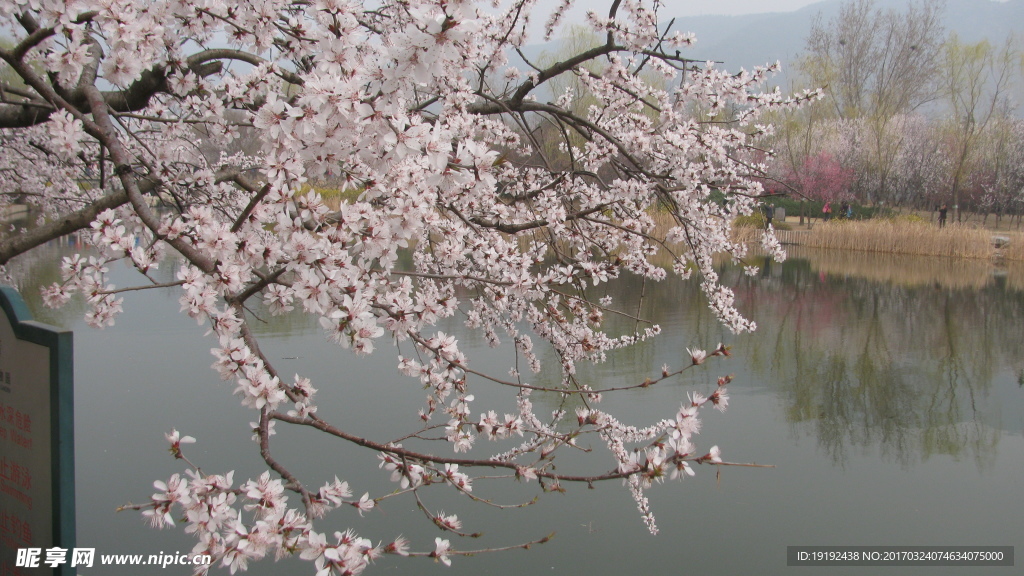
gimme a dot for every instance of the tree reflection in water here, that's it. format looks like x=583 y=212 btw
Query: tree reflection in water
x=861 y=349
x=905 y=359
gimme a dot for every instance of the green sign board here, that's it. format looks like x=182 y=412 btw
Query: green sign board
x=37 y=451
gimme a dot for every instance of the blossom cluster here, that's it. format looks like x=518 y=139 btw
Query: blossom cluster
x=384 y=167
x=239 y=524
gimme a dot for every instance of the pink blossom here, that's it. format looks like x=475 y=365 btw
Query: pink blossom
x=176 y=440
x=343 y=161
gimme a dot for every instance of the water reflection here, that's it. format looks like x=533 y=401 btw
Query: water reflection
x=908 y=364
x=897 y=371
x=863 y=350
x=909 y=270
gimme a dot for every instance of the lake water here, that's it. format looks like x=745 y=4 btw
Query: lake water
x=888 y=393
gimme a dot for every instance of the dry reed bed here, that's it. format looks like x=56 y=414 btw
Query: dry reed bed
x=1014 y=250
x=747 y=235
x=902 y=237
x=886 y=236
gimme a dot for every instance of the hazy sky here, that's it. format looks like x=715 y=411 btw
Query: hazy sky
x=673 y=8
x=669 y=9
x=696 y=7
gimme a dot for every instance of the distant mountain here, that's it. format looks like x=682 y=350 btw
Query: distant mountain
x=757 y=39
x=749 y=40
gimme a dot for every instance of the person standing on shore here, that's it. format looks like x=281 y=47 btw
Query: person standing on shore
x=827 y=211
x=942 y=215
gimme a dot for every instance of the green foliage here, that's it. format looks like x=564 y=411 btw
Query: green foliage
x=757 y=220
x=792 y=206
x=905 y=218
x=812 y=208
x=330 y=195
x=8 y=77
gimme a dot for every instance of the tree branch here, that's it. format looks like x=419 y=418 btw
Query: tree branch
x=73 y=222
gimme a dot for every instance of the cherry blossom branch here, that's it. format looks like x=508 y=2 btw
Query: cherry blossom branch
x=323 y=426
x=445 y=523
x=511 y=211
x=38 y=34
x=293 y=483
x=212 y=54
x=14 y=245
x=137 y=288
x=105 y=132
x=450 y=552
x=253 y=202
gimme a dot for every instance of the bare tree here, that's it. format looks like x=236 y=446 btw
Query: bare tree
x=976 y=78
x=875 y=65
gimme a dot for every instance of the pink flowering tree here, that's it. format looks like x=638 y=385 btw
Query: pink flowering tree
x=822 y=177
x=195 y=134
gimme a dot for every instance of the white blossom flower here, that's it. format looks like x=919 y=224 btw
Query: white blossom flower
x=441 y=549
